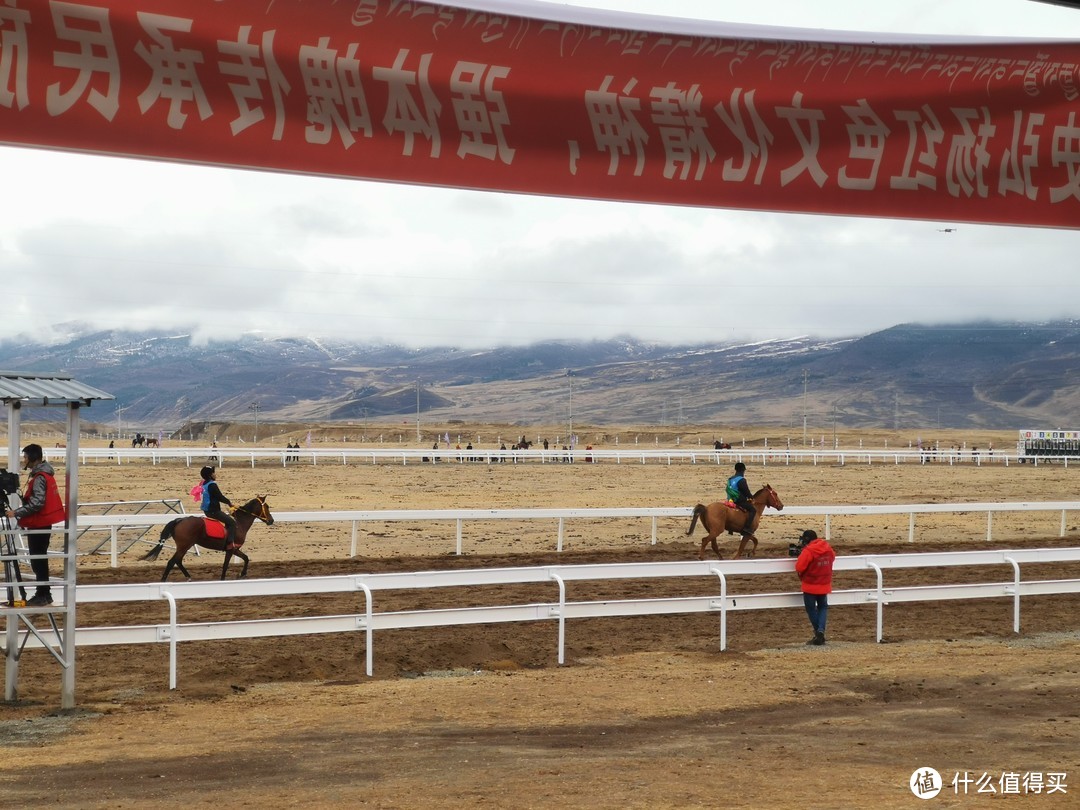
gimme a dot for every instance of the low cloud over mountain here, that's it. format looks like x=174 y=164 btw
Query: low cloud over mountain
x=988 y=375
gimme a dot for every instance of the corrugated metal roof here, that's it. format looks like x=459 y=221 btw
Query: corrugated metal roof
x=46 y=389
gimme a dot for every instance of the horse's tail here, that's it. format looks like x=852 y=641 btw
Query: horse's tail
x=166 y=533
x=699 y=511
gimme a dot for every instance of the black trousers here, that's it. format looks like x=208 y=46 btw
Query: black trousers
x=751 y=511
x=38 y=543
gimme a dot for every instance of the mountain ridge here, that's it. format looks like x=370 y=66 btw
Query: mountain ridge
x=993 y=375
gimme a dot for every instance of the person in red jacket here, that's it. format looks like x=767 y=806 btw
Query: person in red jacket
x=814 y=567
x=42 y=507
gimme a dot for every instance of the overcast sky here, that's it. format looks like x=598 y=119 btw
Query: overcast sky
x=115 y=242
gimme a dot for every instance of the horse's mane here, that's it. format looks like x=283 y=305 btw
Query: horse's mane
x=254 y=505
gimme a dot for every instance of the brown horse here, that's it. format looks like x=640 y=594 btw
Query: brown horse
x=719 y=517
x=191 y=530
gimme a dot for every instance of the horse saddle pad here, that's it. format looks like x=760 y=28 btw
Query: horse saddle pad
x=214 y=528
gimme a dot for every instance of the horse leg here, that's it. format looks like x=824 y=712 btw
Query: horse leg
x=742 y=544
x=705 y=541
x=225 y=565
x=176 y=561
x=244 y=557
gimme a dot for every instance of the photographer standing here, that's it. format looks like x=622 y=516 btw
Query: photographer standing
x=41 y=509
x=814 y=567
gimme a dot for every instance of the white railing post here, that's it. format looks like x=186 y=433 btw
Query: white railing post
x=174 y=632
x=723 y=607
x=562 y=617
x=369 y=631
x=880 y=597
x=1016 y=593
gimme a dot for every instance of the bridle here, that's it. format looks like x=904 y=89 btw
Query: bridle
x=263 y=514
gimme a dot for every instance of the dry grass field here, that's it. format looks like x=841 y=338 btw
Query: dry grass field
x=647 y=712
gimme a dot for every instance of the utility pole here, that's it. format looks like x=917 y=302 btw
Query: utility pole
x=254 y=408
x=119 y=411
x=570 y=377
x=418 y=411
x=804 y=407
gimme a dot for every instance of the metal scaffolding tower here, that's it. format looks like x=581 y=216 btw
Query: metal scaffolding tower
x=19 y=390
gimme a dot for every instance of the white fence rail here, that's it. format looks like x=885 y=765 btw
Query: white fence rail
x=114 y=522
x=367 y=619
x=655 y=455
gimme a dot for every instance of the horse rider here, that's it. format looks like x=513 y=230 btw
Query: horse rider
x=738 y=492
x=212 y=499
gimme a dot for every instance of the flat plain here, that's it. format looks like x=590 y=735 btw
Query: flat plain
x=647 y=712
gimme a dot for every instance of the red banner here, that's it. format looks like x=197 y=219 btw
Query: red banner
x=436 y=94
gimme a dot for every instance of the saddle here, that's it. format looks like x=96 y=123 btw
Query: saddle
x=215 y=530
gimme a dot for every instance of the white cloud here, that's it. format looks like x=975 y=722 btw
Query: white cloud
x=116 y=242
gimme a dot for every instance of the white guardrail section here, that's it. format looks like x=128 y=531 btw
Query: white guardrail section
x=114 y=522
x=367 y=619
x=637 y=455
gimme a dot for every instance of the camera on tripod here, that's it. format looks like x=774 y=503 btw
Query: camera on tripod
x=9 y=483
x=795 y=549
x=9 y=486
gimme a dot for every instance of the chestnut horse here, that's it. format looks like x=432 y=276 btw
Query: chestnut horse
x=191 y=530
x=719 y=517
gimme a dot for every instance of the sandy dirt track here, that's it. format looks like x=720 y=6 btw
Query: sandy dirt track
x=647 y=712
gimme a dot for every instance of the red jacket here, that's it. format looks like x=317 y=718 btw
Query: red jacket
x=814 y=567
x=42 y=504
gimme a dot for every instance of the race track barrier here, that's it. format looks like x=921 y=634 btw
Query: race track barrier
x=764 y=456
x=368 y=620
x=458 y=517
